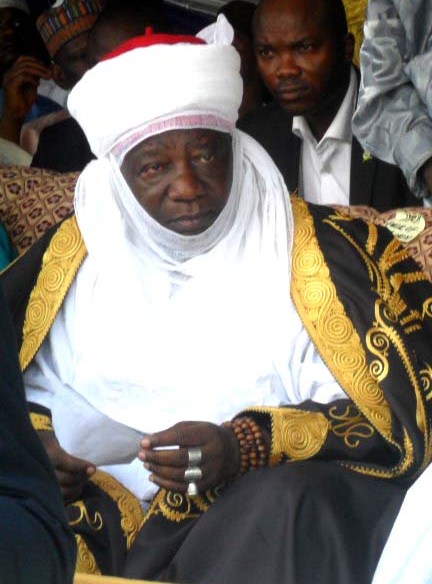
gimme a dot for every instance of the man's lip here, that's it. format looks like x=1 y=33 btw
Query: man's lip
x=191 y=222
x=290 y=91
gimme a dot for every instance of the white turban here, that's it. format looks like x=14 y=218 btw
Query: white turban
x=149 y=90
x=19 y=4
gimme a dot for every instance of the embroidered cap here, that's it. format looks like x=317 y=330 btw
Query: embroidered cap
x=66 y=20
x=19 y=4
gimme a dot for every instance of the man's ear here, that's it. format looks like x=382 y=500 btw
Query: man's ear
x=59 y=76
x=348 y=47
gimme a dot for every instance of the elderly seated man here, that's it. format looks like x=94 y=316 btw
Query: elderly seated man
x=247 y=369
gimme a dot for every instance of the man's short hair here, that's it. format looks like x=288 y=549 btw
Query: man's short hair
x=132 y=13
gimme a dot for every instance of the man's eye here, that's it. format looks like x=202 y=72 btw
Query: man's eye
x=264 y=53
x=207 y=157
x=151 y=169
x=305 y=47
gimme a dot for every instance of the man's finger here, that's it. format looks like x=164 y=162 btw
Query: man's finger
x=68 y=463
x=181 y=434
x=177 y=457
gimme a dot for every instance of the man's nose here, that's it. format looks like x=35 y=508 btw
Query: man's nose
x=186 y=185
x=287 y=65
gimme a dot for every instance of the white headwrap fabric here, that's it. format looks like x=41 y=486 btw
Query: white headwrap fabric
x=149 y=90
x=19 y=4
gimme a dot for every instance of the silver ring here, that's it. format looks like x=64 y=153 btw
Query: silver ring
x=193 y=474
x=192 y=490
x=194 y=456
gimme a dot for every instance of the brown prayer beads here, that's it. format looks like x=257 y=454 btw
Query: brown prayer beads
x=253 y=451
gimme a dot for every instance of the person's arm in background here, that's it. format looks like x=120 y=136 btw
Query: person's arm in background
x=394 y=116
x=36 y=544
x=20 y=84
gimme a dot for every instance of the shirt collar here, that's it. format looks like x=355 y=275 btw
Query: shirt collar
x=340 y=128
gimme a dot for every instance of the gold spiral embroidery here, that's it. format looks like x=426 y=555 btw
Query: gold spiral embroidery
x=297 y=434
x=336 y=326
x=129 y=506
x=427 y=308
x=351 y=426
x=348 y=359
x=86 y=563
x=324 y=316
x=389 y=309
x=426 y=380
x=60 y=264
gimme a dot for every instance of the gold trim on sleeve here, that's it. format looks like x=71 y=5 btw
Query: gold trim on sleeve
x=297 y=434
x=60 y=264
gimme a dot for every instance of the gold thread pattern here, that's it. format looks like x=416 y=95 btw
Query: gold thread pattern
x=95 y=523
x=300 y=435
x=426 y=380
x=388 y=309
x=86 y=562
x=177 y=507
x=372 y=238
x=130 y=509
x=41 y=422
x=337 y=345
x=60 y=264
x=351 y=426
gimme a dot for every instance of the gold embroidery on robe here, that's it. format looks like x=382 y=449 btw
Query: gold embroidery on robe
x=86 y=563
x=60 y=264
x=95 y=522
x=129 y=506
x=350 y=425
x=389 y=308
x=41 y=422
x=333 y=333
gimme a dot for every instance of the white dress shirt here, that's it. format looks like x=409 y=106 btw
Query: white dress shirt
x=325 y=166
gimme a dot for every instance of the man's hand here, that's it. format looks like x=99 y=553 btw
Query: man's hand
x=20 y=83
x=220 y=455
x=72 y=473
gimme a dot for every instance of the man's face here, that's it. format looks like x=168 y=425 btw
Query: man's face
x=18 y=36
x=72 y=60
x=182 y=178
x=299 y=59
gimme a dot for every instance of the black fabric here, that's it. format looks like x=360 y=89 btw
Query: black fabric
x=36 y=544
x=63 y=147
x=302 y=523
x=100 y=527
x=373 y=182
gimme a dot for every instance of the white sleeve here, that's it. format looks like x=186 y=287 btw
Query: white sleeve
x=392 y=120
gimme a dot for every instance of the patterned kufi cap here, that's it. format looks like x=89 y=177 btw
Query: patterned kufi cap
x=19 y=4
x=65 y=20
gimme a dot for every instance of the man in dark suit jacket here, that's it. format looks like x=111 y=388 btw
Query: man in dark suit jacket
x=304 y=54
x=36 y=545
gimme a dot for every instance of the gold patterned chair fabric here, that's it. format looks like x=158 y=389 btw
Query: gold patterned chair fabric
x=32 y=200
